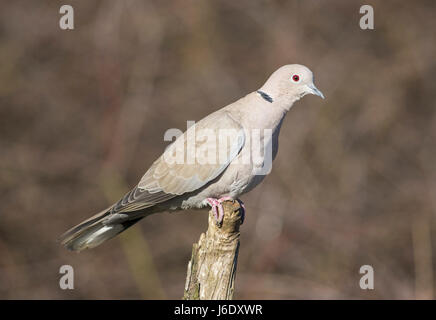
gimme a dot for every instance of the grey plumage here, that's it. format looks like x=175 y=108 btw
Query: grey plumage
x=168 y=186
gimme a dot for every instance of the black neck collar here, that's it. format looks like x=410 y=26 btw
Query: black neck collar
x=265 y=96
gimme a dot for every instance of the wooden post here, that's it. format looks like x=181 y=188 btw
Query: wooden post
x=212 y=269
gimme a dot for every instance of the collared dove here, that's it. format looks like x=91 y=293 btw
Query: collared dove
x=193 y=183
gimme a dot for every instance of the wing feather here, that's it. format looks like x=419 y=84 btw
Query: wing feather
x=171 y=176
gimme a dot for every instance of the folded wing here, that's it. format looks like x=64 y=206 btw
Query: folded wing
x=194 y=159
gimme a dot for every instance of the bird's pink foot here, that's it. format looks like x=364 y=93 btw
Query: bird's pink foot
x=218 y=210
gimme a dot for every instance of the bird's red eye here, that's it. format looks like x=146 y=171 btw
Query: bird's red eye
x=295 y=77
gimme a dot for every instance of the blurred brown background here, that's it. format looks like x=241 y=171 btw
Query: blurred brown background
x=83 y=113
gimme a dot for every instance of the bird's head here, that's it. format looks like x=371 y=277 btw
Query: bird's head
x=289 y=84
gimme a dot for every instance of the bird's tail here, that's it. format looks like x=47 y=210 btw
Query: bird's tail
x=93 y=232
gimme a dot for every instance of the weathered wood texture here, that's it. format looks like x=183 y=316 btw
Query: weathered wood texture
x=212 y=269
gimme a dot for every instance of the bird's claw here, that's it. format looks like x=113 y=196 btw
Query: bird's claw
x=218 y=210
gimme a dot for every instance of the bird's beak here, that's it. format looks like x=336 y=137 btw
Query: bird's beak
x=314 y=90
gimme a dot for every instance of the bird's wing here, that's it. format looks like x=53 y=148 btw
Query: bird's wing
x=195 y=158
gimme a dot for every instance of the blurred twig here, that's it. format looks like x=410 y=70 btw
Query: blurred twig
x=422 y=253
x=124 y=124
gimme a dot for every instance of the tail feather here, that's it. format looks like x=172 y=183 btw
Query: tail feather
x=93 y=232
x=81 y=226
